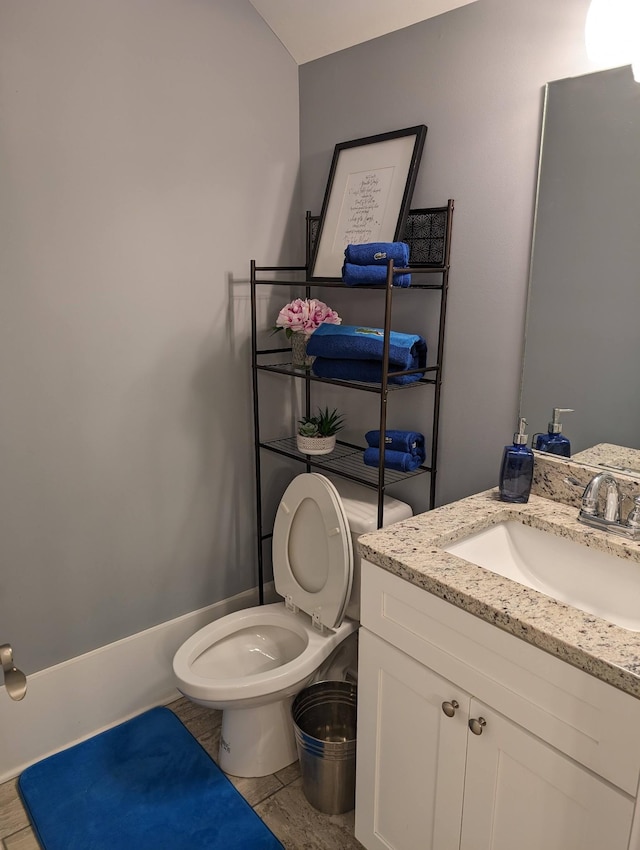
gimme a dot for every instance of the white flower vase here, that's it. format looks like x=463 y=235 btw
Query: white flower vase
x=299 y=356
x=316 y=445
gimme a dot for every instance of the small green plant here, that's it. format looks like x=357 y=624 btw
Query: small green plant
x=329 y=423
x=325 y=423
x=308 y=428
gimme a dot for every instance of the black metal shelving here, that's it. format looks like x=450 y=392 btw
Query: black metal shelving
x=428 y=232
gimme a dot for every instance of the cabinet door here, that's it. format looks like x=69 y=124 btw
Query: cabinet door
x=520 y=792
x=411 y=755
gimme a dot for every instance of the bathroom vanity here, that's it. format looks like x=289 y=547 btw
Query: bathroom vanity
x=492 y=715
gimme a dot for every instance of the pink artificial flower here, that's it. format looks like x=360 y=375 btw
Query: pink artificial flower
x=305 y=315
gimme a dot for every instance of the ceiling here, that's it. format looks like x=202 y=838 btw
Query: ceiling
x=310 y=29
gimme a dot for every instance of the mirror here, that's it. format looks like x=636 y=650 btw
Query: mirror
x=582 y=345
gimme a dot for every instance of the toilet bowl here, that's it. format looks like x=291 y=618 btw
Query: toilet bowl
x=252 y=663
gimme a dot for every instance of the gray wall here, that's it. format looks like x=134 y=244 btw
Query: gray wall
x=147 y=152
x=475 y=77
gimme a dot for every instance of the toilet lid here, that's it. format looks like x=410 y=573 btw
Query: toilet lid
x=312 y=552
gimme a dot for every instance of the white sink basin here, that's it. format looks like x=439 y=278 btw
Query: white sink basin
x=593 y=581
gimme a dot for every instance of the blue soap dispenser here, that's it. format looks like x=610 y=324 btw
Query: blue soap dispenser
x=554 y=441
x=516 y=471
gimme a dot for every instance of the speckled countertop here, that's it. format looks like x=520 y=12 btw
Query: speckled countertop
x=413 y=550
x=609 y=455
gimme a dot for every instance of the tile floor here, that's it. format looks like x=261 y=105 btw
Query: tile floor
x=278 y=799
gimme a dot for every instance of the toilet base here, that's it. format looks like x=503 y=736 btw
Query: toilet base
x=257 y=741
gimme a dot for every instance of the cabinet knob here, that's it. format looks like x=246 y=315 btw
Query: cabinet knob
x=449 y=708
x=477 y=725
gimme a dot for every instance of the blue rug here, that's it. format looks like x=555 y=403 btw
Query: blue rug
x=146 y=784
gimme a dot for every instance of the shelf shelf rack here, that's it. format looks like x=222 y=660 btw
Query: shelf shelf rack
x=346 y=459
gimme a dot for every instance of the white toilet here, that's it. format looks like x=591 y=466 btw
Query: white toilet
x=252 y=663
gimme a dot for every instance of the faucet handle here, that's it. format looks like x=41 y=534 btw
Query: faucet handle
x=633 y=520
x=612 y=501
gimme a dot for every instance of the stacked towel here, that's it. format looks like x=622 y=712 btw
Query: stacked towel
x=354 y=275
x=404 y=450
x=410 y=442
x=378 y=253
x=367 y=263
x=349 y=352
x=368 y=371
x=353 y=342
x=400 y=461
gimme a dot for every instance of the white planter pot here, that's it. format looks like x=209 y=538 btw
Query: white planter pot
x=316 y=445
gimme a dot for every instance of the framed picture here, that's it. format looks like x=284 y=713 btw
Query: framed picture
x=367 y=197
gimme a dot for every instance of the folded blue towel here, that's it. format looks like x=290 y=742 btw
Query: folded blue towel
x=355 y=275
x=401 y=461
x=378 y=253
x=357 y=370
x=350 y=342
x=398 y=441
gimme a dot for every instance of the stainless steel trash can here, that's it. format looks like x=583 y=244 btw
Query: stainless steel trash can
x=324 y=722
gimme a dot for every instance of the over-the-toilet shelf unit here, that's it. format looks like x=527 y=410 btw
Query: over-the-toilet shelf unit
x=428 y=233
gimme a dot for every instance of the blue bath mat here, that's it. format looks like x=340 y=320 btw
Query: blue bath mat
x=146 y=784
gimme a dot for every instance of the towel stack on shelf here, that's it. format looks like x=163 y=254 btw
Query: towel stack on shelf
x=367 y=263
x=403 y=450
x=352 y=353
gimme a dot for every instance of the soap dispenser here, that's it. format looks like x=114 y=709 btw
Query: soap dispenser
x=516 y=472
x=554 y=442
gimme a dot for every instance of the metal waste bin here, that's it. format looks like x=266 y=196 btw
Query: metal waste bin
x=324 y=722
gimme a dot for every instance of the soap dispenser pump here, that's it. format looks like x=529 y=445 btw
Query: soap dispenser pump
x=516 y=471
x=554 y=441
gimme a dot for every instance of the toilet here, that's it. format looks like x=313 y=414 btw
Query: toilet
x=252 y=663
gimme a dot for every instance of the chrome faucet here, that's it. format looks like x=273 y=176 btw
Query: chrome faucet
x=14 y=679
x=608 y=518
x=591 y=496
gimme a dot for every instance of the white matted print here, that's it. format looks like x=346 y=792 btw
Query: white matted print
x=368 y=195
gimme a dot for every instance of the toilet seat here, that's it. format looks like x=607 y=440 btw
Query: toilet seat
x=312 y=550
x=285 y=678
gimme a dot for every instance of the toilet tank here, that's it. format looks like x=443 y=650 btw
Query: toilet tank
x=361 y=507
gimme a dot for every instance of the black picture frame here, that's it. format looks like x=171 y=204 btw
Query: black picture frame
x=368 y=195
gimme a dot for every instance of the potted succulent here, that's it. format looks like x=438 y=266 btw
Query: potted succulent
x=317 y=434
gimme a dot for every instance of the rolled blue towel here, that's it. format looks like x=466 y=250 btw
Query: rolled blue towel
x=357 y=370
x=398 y=441
x=378 y=254
x=350 y=342
x=355 y=275
x=400 y=461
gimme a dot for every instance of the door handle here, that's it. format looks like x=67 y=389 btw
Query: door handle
x=15 y=681
x=477 y=725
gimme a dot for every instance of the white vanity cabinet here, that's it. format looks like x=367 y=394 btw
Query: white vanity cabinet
x=469 y=738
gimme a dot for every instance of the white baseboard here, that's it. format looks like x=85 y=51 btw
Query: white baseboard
x=76 y=699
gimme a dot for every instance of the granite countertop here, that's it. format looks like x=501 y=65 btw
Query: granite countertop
x=610 y=456
x=413 y=550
